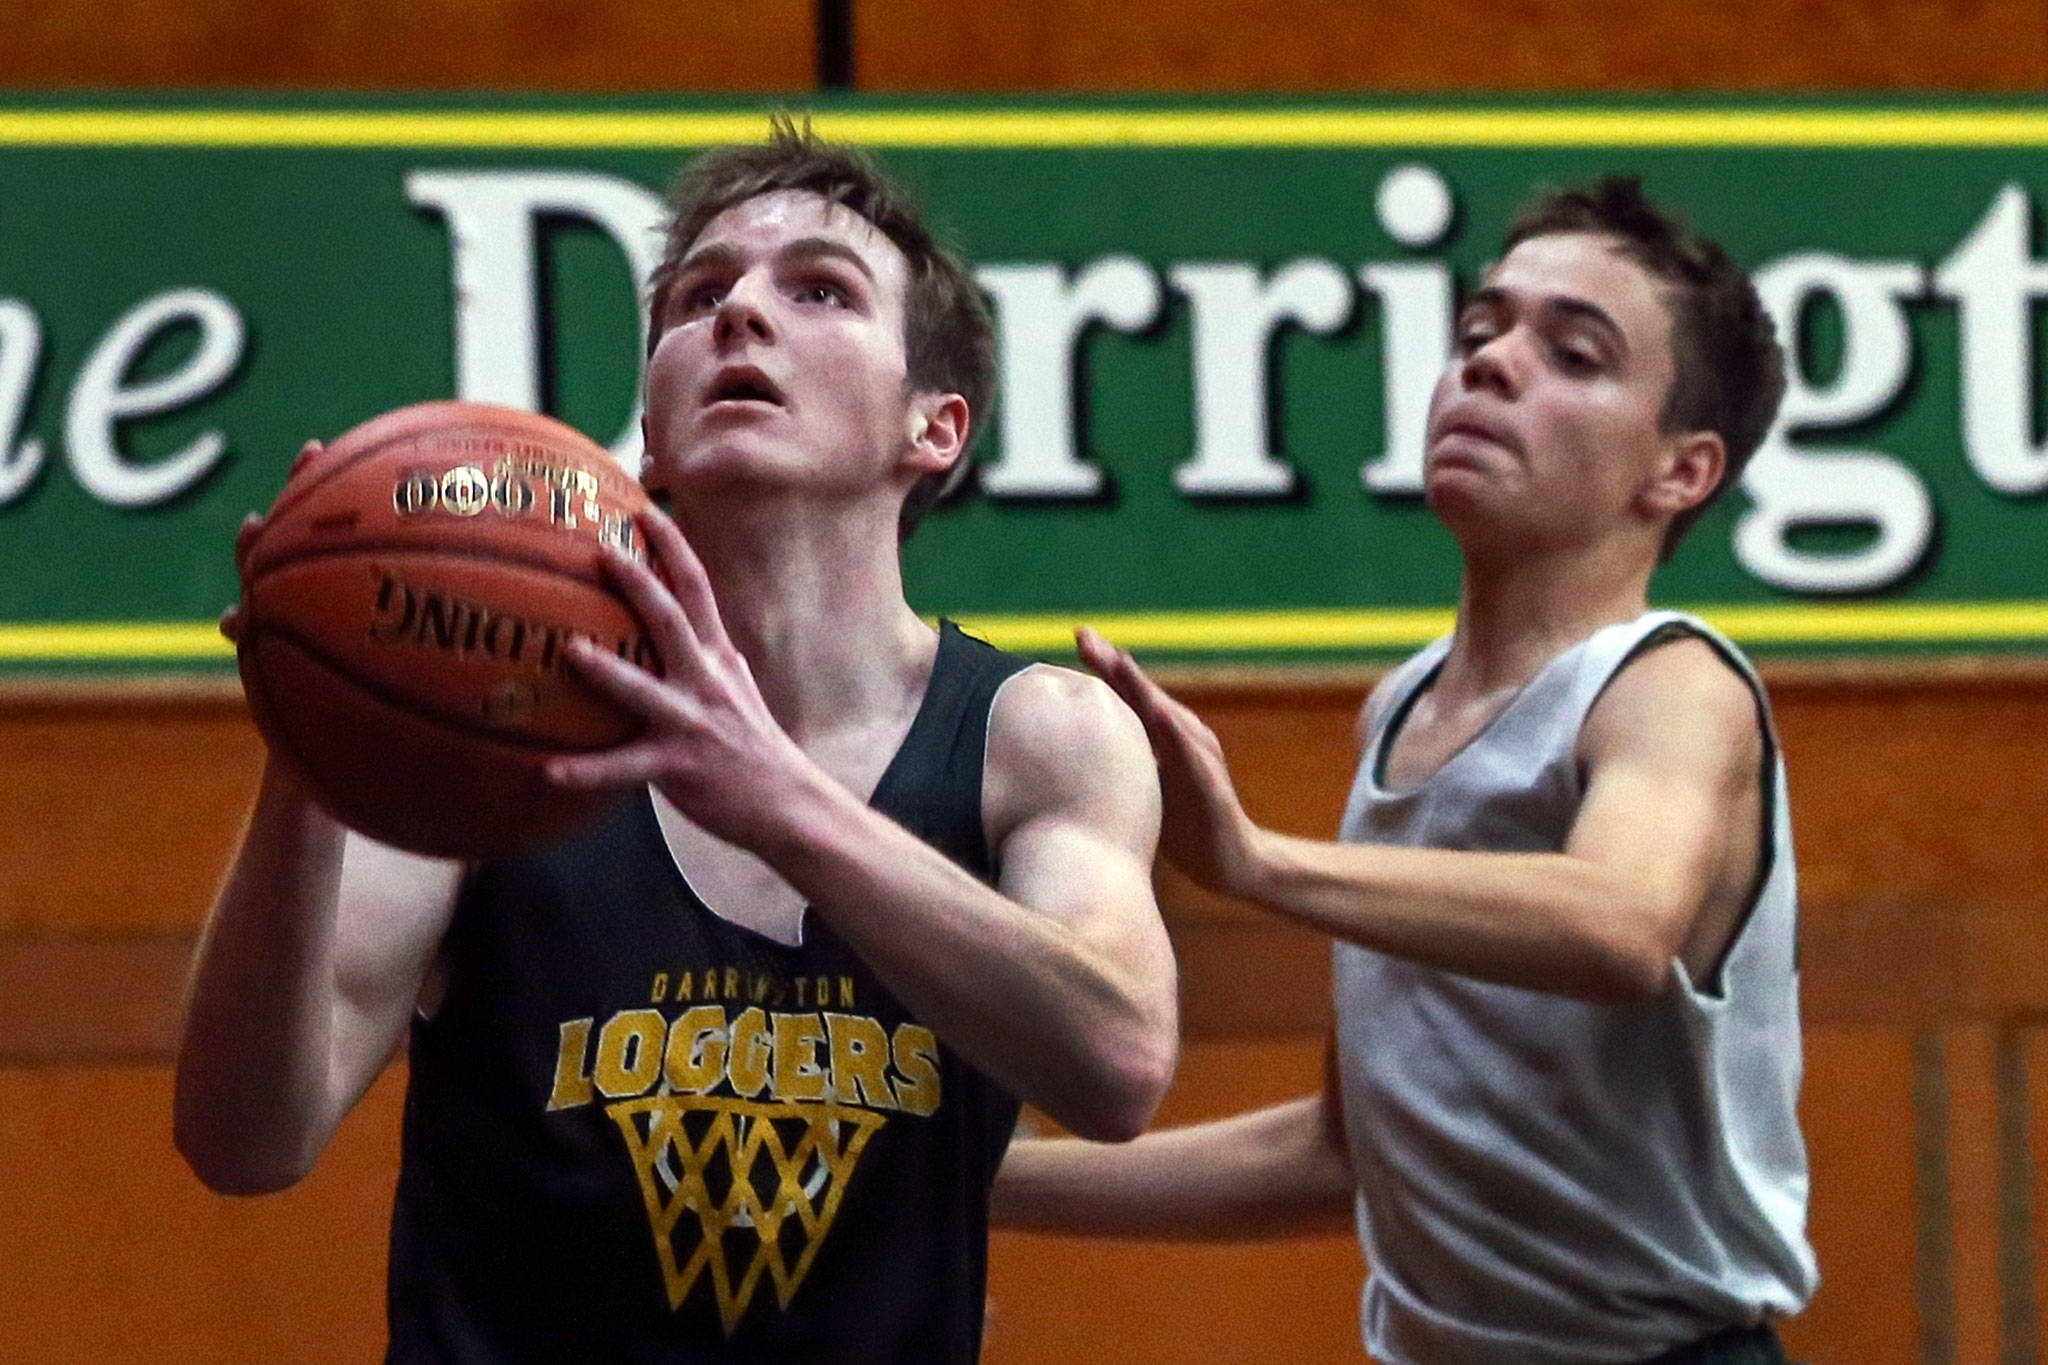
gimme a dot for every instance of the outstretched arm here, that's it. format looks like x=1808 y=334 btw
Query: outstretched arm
x=1656 y=867
x=1269 y=1173
x=1275 y=1172
x=1059 y=981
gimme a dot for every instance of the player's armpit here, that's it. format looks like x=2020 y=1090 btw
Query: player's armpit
x=1673 y=754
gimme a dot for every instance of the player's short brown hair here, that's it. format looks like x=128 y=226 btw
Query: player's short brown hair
x=1728 y=371
x=948 y=339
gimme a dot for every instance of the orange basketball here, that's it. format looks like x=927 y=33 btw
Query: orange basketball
x=405 y=610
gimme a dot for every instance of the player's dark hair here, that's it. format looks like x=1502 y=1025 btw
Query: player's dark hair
x=948 y=342
x=1728 y=371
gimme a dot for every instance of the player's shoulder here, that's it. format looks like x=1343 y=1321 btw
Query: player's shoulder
x=1062 y=745
x=1051 y=719
x=1678 y=685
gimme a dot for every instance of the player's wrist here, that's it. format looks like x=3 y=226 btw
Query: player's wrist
x=288 y=793
x=1253 y=868
x=794 y=811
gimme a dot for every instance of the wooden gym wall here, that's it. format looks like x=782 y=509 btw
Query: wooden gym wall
x=1917 y=790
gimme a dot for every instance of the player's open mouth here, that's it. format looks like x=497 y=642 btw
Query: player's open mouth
x=742 y=384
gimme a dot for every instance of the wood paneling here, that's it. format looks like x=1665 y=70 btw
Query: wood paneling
x=550 y=45
x=1856 y=1108
x=1914 y=795
x=1051 y=45
x=1915 y=800
x=1055 y=1299
x=1414 y=45
x=119 y=807
x=116 y=1253
x=90 y=999
x=98 y=1214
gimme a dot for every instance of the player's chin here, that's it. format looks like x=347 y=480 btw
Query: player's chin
x=725 y=464
x=1458 y=489
x=703 y=455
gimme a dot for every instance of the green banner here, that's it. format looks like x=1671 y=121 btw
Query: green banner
x=1219 y=325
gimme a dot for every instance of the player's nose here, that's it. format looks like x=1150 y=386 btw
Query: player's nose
x=743 y=314
x=1491 y=366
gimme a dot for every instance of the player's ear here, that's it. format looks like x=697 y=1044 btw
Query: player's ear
x=1688 y=473
x=937 y=427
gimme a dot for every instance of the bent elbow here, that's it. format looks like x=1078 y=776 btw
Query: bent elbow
x=229 y=1168
x=243 y=1178
x=1131 y=1085
x=1634 y=969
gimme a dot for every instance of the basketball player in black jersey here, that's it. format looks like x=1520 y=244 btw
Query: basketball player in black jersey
x=728 y=1077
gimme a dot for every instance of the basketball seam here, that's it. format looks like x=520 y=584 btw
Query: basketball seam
x=467 y=555
x=383 y=693
x=289 y=498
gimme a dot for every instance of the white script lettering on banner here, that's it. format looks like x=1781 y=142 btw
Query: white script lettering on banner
x=492 y=219
x=1792 y=485
x=1042 y=315
x=21 y=346
x=1995 y=282
x=103 y=397
x=1236 y=312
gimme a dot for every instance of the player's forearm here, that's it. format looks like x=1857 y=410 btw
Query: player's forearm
x=1544 y=921
x=1272 y=1173
x=253 y=1097
x=1059 y=1021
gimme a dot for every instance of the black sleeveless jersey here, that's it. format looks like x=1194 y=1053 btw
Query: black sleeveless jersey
x=637 y=1132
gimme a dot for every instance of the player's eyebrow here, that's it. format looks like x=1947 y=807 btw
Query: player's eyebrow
x=1494 y=298
x=1584 y=310
x=723 y=256
x=826 y=246
x=705 y=257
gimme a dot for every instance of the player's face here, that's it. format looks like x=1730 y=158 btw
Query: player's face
x=781 y=354
x=1544 y=430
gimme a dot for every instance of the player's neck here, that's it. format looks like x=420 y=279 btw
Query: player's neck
x=813 y=597
x=1518 y=612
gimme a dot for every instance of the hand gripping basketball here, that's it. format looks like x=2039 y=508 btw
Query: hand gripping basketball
x=709 y=741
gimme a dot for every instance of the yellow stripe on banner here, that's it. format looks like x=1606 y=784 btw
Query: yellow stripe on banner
x=112 y=641
x=1860 y=623
x=1218 y=632
x=1034 y=128
x=1882 y=623
x=1199 y=632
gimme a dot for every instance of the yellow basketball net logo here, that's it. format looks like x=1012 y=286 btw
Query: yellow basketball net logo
x=710 y=1157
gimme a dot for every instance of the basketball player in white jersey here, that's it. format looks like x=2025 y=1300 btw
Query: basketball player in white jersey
x=1567 y=1048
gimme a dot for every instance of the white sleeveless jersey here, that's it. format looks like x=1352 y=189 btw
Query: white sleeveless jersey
x=1546 y=1181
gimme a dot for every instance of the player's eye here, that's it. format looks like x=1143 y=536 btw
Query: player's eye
x=698 y=298
x=826 y=292
x=1472 y=335
x=1576 y=359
